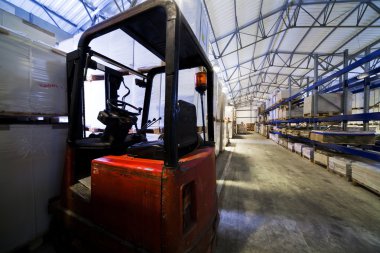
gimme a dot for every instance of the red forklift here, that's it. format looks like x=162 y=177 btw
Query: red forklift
x=121 y=192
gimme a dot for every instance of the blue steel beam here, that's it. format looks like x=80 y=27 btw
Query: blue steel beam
x=352 y=82
x=53 y=12
x=339 y=118
x=340 y=148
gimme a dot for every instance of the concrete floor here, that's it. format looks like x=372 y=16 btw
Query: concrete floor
x=273 y=200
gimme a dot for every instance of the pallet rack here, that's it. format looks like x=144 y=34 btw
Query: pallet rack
x=353 y=84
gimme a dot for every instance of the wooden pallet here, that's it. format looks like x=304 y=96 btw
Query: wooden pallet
x=357 y=183
x=338 y=174
x=320 y=164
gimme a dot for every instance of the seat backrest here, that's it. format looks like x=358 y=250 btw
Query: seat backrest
x=186 y=124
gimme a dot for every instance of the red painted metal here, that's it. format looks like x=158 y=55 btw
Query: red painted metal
x=141 y=201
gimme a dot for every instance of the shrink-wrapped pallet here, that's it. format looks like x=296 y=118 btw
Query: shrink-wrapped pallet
x=308 y=152
x=32 y=160
x=322 y=157
x=283 y=142
x=33 y=77
x=340 y=165
x=367 y=174
x=284 y=94
x=328 y=104
x=344 y=137
x=291 y=146
x=298 y=147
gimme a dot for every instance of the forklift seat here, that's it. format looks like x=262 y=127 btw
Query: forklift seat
x=188 y=138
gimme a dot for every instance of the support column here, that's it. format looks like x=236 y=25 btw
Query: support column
x=314 y=110
x=290 y=102
x=345 y=90
x=366 y=91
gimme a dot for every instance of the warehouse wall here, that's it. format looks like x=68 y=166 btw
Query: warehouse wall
x=246 y=115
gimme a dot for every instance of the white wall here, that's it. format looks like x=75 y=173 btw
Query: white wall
x=246 y=115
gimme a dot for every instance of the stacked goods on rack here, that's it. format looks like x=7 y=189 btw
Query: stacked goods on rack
x=274 y=114
x=304 y=133
x=322 y=157
x=367 y=174
x=261 y=108
x=340 y=165
x=308 y=152
x=328 y=104
x=344 y=137
x=296 y=112
x=293 y=132
x=285 y=94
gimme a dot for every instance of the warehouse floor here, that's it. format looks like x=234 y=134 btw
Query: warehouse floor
x=273 y=200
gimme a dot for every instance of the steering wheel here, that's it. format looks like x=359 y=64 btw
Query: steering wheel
x=116 y=104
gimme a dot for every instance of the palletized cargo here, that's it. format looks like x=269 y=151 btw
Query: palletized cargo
x=341 y=165
x=367 y=174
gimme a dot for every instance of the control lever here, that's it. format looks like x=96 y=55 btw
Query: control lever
x=148 y=124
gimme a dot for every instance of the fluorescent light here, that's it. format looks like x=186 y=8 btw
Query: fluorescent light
x=216 y=68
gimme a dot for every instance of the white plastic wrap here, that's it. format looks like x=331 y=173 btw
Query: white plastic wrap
x=33 y=77
x=32 y=159
x=298 y=147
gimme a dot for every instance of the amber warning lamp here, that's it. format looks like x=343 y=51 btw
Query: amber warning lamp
x=201 y=82
x=201 y=87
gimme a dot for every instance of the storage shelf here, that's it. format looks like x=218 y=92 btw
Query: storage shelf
x=365 y=59
x=338 y=118
x=373 y=155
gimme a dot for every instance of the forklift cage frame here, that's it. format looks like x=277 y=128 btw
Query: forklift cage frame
x=174 y=43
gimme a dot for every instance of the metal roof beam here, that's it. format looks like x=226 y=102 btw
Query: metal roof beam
x=281 y=8
x=98 y=9
x=53 y=13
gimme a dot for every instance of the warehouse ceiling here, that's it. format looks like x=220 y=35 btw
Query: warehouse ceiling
x=260 y=46
x=257 y=46
x=73 y=16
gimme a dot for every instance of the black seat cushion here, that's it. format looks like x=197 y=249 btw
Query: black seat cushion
x=188 y=138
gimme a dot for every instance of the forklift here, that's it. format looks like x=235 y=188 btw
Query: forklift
x=121 y=192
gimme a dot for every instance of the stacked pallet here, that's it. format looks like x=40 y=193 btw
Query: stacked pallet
x=341 y=165
x=251 y=127
x=296 y=112
x=304 y=134
x=322 y=157
x=274 y=137
x=367 y=174
x=328 y=104
x=344 y=137
x=298 y=148
x=283 y=142
x=242 y=128
x=291 y=146
x=284 y=94
x=308 y=152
